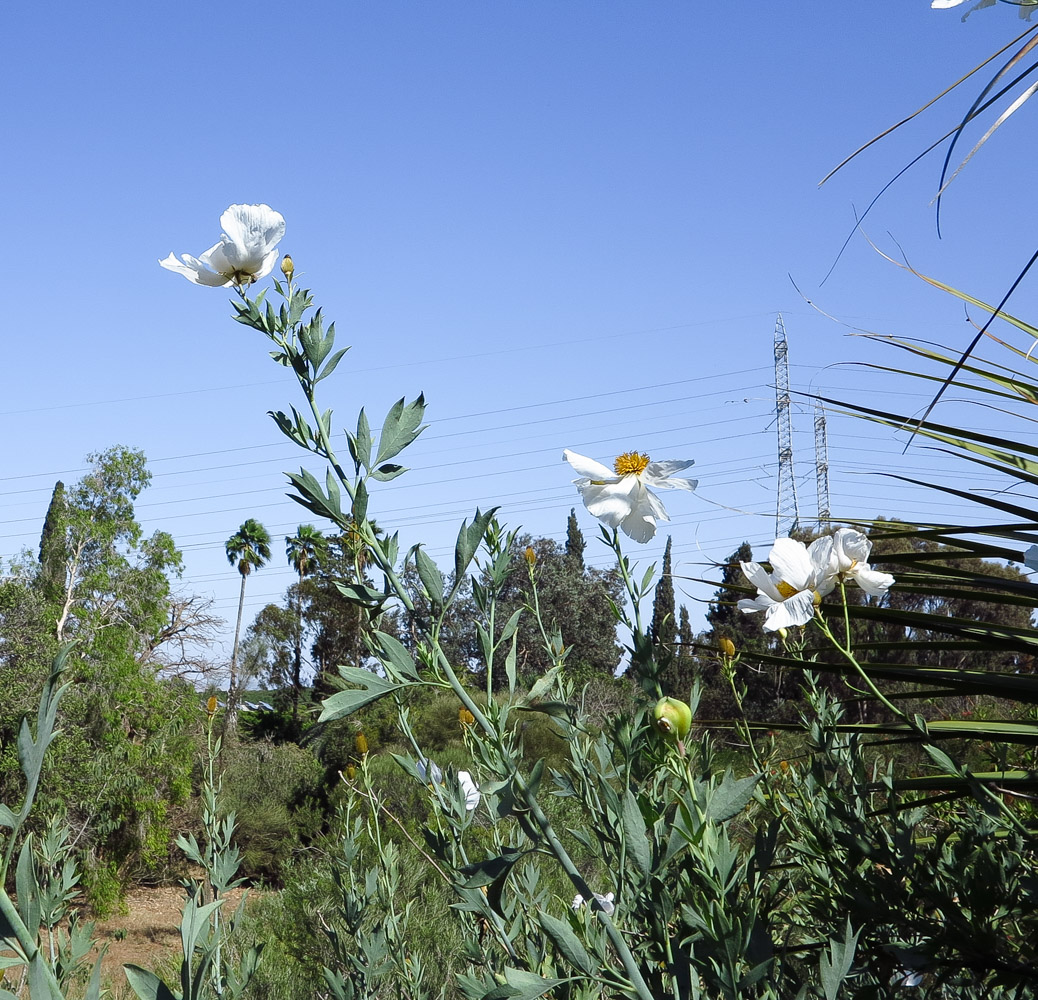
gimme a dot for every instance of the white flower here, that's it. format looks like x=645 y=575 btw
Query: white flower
x=606 y=902
x=430 y=773
x=619 y=497
x=246 y=251
x=849 y=560
x=800 y=577
x=468 y=786
x=945 y=4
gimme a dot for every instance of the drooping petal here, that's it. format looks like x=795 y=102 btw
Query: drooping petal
x=658 y=474
x=194 y=270
x=796 y=610
x=874 y=583
x=646 y=510
x=609 y=502
x=639 y=526
x=589 y=468
x=762 y=602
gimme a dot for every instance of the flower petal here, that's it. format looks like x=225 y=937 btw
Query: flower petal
x=468 y=786
x=659 y=474
x=791 y=563
x=609 y=502
x=757 y=575
x=252 y=231
x=796 y=610
x=874 y=583
x=589 y=468
x=194 y=270
x=639 y=526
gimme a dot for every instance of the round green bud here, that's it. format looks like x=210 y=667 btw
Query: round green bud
x=672 y=718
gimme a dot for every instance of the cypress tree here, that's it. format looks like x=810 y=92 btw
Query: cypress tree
x=664 y=628
x=574 y=542
x=52 y=546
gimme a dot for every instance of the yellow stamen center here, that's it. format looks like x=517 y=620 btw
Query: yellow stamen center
x=630 y=463
x=785 y=589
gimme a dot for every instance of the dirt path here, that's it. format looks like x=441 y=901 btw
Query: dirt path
x=148 y=932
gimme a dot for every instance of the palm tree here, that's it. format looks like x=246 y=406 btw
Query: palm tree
x=248 y=548
x=305 y=550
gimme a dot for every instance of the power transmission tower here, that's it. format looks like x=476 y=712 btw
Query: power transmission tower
x=821 y=467
x=787 y=511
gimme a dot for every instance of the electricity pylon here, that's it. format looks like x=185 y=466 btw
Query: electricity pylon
x=787 y=510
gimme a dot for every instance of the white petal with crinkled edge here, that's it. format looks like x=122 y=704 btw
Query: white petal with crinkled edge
x=658 y=474
x=194 y=270
x=874 y=583
x=589 y=468
x=253 y=231
x=791 y=563
x=796 y=610
x=760 y=603
x=610 y=502
x=639 y=526
x=757 y=575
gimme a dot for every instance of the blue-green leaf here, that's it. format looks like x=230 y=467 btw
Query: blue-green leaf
x=372 y=687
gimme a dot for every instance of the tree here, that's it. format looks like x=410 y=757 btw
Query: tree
x=664 y=628
x=123 y=755
x=574 y=600
x=305 y=550
x=575 y=543
x=248 y=548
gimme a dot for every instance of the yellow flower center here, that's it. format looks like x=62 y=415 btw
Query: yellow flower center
x=785 y=589
x=630 y=463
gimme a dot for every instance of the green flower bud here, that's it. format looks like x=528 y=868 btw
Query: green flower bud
x=673 y=718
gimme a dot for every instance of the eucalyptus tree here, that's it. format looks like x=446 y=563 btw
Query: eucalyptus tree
x=248 y=549
x=305 y=551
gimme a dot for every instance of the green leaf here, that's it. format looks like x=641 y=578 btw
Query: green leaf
x=543 y=684
x=566 y=941
x=469 y=538
x=401 y=426
x=333 y=363
x=529 y=984
x=7 y=818
x=359 y=593
x=147 y=985
x=731 y=797
x=556 y=709
x=635 y=839
x=835 y=966
x=360 y=443
x=387 y=472
x=432 y=579
x=395 y=655
x=482 y=873
x=372 y=687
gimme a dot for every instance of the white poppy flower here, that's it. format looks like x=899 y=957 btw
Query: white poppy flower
x=945 y=4
x=620 y=498
x=469 y=787
x=849 y=560
x=605 y=901
x=246 y=251
x=430 y=773
x=800 y=577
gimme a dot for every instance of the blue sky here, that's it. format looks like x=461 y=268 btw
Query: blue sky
x=569 y=224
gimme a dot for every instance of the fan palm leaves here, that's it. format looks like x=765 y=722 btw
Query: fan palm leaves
x=248 y=549
x=305 y=551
